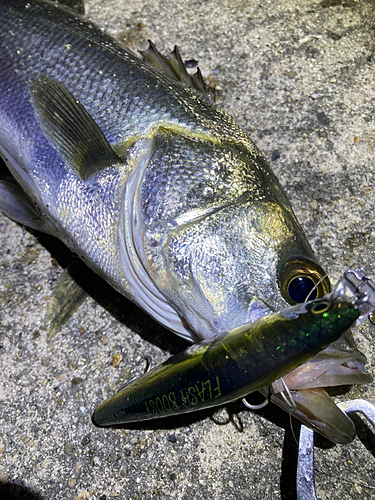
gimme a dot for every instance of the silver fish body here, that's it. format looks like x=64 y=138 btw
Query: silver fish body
x=155 y=223
x=153 y=186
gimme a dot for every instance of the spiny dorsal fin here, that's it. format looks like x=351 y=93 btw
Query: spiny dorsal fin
x=153 y=56
x=76 y=5
x=199 y=83
x=71 y=129
x=174 y=67
x=178 y=66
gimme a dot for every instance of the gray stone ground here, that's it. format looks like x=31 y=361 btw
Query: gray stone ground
x=300 y=79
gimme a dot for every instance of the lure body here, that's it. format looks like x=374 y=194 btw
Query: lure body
x=231 y=365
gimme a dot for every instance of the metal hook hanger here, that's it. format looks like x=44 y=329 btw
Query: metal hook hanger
x=305 y=466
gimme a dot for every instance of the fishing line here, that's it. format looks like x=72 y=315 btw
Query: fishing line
x=291 y=405
x=289 y=401
x=315 y=287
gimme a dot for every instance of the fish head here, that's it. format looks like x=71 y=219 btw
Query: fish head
x=220 y=241
x=226 y=268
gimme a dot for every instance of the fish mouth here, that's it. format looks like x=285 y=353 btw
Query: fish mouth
x=318 y=411
x=341 y=363
x=326 y=369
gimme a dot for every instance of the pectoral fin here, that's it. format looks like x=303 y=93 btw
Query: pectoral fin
x=71 y=129
x=66 y=298
x=16 y=205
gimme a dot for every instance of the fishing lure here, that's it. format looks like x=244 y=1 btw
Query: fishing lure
x=233 y=364
x=245 y=359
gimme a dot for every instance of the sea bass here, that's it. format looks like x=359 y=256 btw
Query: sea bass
x=158 y=190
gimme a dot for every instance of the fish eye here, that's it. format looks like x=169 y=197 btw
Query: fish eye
x=320 y=307
x=302 y=280
x=302 y=287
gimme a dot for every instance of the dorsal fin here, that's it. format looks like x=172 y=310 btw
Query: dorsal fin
x=71 y=129
x=199 y=82
x=76 y=5
x=174 y=67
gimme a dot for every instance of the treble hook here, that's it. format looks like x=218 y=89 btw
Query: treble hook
x=148 y=360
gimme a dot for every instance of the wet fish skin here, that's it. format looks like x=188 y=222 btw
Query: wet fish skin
x=154 y=220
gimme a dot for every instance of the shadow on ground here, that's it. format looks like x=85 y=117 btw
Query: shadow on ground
x=17 y=492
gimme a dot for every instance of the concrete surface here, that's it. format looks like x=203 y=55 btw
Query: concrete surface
x=300 y=79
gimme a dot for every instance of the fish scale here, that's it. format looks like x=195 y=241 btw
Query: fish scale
x=118 y=80
x=193 y=166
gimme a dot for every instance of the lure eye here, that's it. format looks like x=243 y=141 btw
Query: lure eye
x=320 y=307
x=302 y=280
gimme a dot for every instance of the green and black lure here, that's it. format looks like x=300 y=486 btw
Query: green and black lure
x=233 y=364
